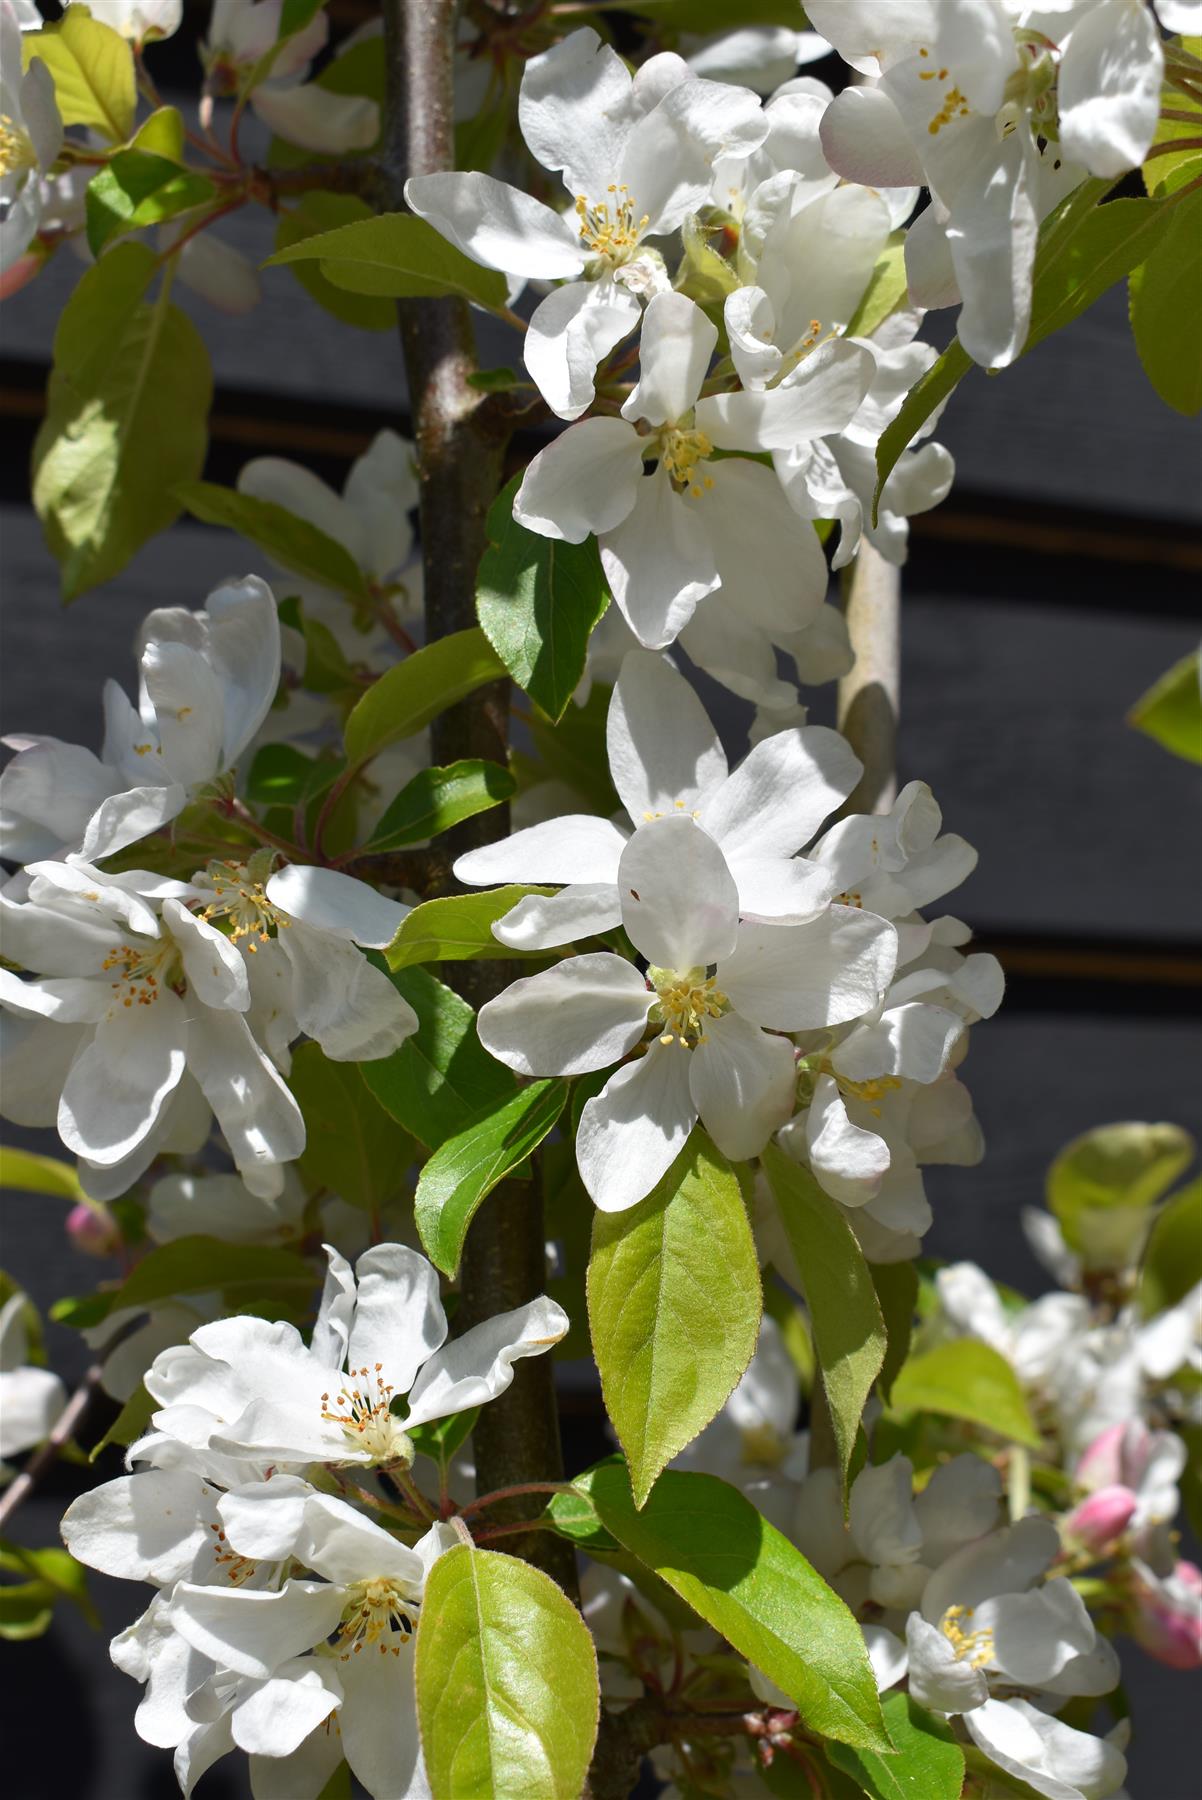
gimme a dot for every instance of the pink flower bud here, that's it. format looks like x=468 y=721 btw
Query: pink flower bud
x=93 y=1231
x=1099 y=1521
x=1101 y=1462
x=1166 y=1614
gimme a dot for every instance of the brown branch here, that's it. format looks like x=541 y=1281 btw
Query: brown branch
x=461 y=437
x=868 y=696
x=65 y=1428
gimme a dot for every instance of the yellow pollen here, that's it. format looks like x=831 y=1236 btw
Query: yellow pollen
x=240 y=895
x=363 y=1408
x=681 y=452
x=236 y=1568
x=973 y=1647
x=609 y=227
x=17 y=154
x=376 y=1611
x=143 y=970
x=955 y=106
x=686 y=1001
x=870 y=1092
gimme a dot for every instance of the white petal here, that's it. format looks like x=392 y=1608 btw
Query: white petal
x=125 y=818
x=381 y=490
x=633 y=1130
x=881 y=1512
x=976 y=38
x=887 y=1654
x=781 y=792
x=302 y=1776
x=583 y=1014
x=817 y=261
x=960 y=1502
x=147 y=1527
x=864 y=137
x=726 y=644
x=299 y=491
x=1055 y=1759
x=575 y=848
x=799 y=977
x=338 y=903
x=937 y=1679
x=574 y=111
x=120 y=1080
x=570 y=334
x=498 y=225
x=251 y=1631
x=680 y=905
x=541 y=921
x=345 y=1546
x=48 y=792
x=742 y=1083
x=930 y=271
x=658 y=563
x=585 y=481
x=781 y=890
x=1006 y=1562
x=186 y=694
x=278 y=1715
x=1034 y=1635
x=914 y=1041
x=664 y=754
x=822 y=396
x=991 y=233
x=213 y=965
x=774 y=575
x=849 y=1162
x=1108 y=91
x=478 y=1366
x=378 y=1722
x=399 y=1319
x=669 y=158
x=244 y=643
x=751 y=328
x=318 y=119
x=674 y=354
x=341 y=1000
x=67 y=1001
x=261 y=1121
x=30 y=1401
x=265 y=1520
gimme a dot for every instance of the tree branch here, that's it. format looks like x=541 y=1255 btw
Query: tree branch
x=66 y=1425
x=868 y=697
x=460 y=442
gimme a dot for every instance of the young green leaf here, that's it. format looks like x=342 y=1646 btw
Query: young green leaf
x=458 y=929
x=1164 y=294
x=282 y=775
x=743 y=1577
x=93 y=70
x=136 y=189
x=573 y=750
x=162 y=134
x=966 y=1380
x=1173 y=1258
x=248 y=1276
x=930 y=391
x=467 y=1167
x=440 y=1439
x=125 y=422
x=289 y=540
x=928 y=1764
x=310 y=214
x=438 y=798
x=1171 y=710
x=353 y=1146
x=887 y=289
x=415 y=691
x=896 y=1287
x=674 y=1304
x=397 y=256
x=442 y=1076
x=38 y=1174
x=849 y=1333
x=538 y=601
x=1102 y=1185
x=507 y=1691
x=1077 y=263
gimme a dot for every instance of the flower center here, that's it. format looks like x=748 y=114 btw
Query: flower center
x=870 y=1092
x=609 y=227
x=240 y=895
x=143 y=970
x=686 y=1000
x=234 y=1567
x=762 y=1445
x=17 y=154
x=376 y=1610
x=363 y=1408
x=680 y=452
x=973 y=1647
x=1030 y=91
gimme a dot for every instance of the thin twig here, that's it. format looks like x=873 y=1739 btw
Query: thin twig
x=64 y=1429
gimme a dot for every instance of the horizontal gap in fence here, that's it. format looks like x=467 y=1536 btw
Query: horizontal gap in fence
x=1045 y=973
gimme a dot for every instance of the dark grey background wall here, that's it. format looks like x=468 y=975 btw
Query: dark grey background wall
x=1057 y=582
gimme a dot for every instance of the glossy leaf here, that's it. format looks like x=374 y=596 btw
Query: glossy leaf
x=1171 y=710
x=93 y=70
x=246 y=1276
x=1166 y=173
x=353 y=1146
x=1172 y=1263
x=887 y=289
x=136 y=189
x=928 y=1764
x=438 y=798
x=125 y=423
x=458 y=928
x=538 y=601
x=319 y=211
x=674 y=1305
x=292 y=542
x=161 y=134
x=967 y=1380
x=39 y=1174
x=1078 y=261
x=467 y=1167
x=743 y=1577
x=442 y=1076
x=1164 y=295
x=1101 y=1186
x=849 y=1332
x=398 y=256
x=507 y=1689
x=415 y=691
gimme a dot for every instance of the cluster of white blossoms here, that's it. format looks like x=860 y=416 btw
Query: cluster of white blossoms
x=283 y=1620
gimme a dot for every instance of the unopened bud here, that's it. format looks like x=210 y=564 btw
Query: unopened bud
x=1166 y=1615
x=1101 y=1520
x=93 y=1230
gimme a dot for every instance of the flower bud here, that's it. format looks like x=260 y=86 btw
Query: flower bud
x=1098 y=1522
x=93 y=1230
x=1166 y=1615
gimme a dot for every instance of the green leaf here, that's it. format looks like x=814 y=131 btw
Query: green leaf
x=438 y=798
x=849 y=1333
x=310 y=214
x=289 y=540
x=131 y=1423
x=1171 y=710
x=136 y=189
x=1164 y=296
x=458 y=929
x=1173 y=1259
x=93 y=70
x=162 y=134
x=1102 y=1185
x=967 y=1380
x=353 y=1146
x=674 y=1305
x=743 y=1577
x=26 y=1610
x=440 y=1439
x=538 y=601
x=1165 y=174
x=887 y=289
x=467 y=1167
x=125 y=421
x=442 y=1076
x=1078 y=261
x=507 y=1692
x=246 y=1275
x=398 y=256
x=282 y=775
x=39 y=1174
x=896 y=1287
x=573 y=750
x=415 y=691
x=929 y=392
x=496 y=381
x=929 y=1764
x=294 y=16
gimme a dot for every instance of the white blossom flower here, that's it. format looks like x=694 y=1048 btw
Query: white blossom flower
x=1000 y=120
x=717 y=991
x=636 y=154
x=1053 y=1758
x=141 y=21
x=31 y=135
x=694 y=523
x=759 y=56
x=246 y=1387
x=210 y=267
x=207 y=680
x=31 y=1398
x=241 y=34
x=666 y=760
